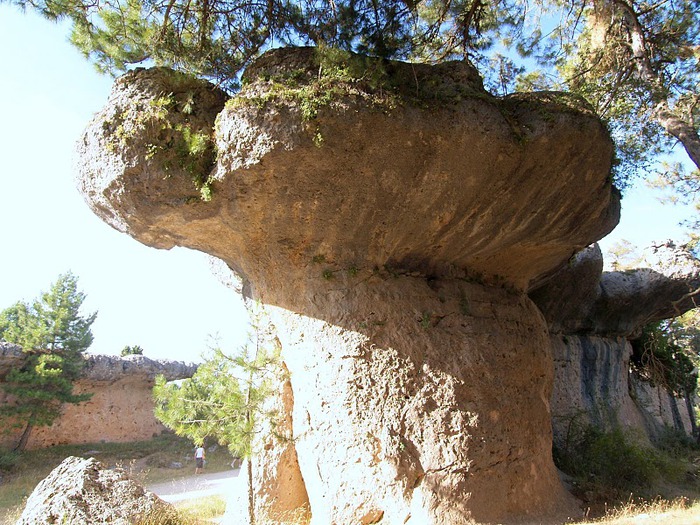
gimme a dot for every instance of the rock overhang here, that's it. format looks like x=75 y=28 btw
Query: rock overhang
x=411 y=166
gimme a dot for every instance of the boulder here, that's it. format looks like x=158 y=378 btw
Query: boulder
x=391 y=217
x=84 y=491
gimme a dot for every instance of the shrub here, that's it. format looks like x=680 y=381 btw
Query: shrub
x=8 y=459
x=608 y=462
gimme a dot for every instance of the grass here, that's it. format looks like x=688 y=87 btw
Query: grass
x=201 y=511
x=202 y=508
x=677 y=512
x=145 y=461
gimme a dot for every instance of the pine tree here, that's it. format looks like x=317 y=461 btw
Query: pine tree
x=226 y=399
x=53 y=336
x=131 y=350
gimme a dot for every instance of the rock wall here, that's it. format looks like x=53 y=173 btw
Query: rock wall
x=592 y=316
x=593 y=385
x=121 y=406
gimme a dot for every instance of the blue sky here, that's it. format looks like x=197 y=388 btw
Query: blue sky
x=165 y=301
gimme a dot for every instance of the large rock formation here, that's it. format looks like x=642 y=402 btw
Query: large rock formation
x=391 y=221
x=121 y=406
x=84 y=491
x=592 y=317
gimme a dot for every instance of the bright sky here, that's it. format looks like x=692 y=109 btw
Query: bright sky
x=165 y=301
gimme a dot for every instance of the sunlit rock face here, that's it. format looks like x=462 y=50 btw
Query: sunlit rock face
x=391 y=216
x=120 y=408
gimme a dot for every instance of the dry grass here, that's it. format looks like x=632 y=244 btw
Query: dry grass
x=661 y=512
x=206 y=509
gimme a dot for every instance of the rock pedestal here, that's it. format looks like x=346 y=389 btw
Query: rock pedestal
x=391 y=217
x=413 y=402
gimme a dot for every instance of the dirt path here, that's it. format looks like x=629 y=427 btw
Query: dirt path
x=198 y=486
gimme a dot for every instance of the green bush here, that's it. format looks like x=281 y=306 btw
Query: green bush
x=609 y=462
x=8 y=460
x=677 y=443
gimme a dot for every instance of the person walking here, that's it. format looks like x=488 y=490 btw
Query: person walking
x=199 y=456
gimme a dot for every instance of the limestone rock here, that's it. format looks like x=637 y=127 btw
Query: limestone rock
x=580 y=298
x=593 y=386
x=120 y=408
x=450 y=180
x=280 y=491
x=390 y=221
x=109 y=368
x=567 y=297
x=424 y=409
x=629 y=300
x=11 y=356
x=84 y=491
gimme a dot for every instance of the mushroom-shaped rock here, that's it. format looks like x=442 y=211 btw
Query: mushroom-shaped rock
x=581 y=298
x=390 y=216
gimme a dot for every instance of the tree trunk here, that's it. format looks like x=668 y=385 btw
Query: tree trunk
x=21 y=445
x=677 y=421
x=251 y=497
x=681 y=129
x=691 y=412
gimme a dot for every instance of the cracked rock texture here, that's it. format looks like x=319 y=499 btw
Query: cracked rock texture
x=84 y=491
x=392 y=228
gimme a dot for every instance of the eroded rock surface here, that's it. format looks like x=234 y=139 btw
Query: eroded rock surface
x=391 y=222
x=593 y=386
x=120 y=408
x=581 y=298
x=10 y=357
x=592 y=317
x=84 y=491
x=109 y=368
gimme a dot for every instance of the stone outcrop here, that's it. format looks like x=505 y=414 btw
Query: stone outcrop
x=593 y=385
x=391 y=223
x=10 y=357
x=84 y=491
x=581 y=298
x=592 y=317
x=120 y=408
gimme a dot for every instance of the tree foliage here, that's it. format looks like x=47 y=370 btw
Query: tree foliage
x=636 y=61
x=665 y=353
x=131 y=350
x=228 y=397
x=224 y=400
x=53 y=336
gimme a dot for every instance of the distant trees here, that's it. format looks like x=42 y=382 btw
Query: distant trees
x=53 y=335
x=131 y=350
x=227 y=398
